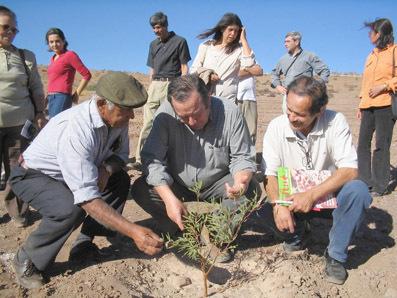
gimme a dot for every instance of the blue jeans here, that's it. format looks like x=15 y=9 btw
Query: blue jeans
x=353 y=199
x=58 y=102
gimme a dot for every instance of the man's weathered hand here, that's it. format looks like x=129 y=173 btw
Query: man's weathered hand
x=175 y=211
x=147 y=241
x=283 y=219
x=301 y=202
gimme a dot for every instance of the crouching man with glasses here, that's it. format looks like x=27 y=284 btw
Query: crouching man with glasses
x=311 y=137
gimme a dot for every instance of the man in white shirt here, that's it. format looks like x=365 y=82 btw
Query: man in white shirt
x=311 y=137
x=73 y=167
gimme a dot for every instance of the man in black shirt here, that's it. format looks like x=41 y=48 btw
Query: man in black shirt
x=167 y=59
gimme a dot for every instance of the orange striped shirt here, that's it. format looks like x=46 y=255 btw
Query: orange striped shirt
x=378 y=71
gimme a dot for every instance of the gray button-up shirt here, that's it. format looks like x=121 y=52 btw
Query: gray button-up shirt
x=306 y=64
x=174 y=152
x=73 y=145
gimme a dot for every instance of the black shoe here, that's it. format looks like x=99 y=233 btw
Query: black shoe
x=335 y=271
x=28 y=276
x=376 y=194
x=292 y=247
x=85 y=250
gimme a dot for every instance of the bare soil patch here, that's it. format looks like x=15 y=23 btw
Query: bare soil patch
x=260 y=268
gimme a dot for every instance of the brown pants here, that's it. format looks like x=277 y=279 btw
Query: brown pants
x=12 y=144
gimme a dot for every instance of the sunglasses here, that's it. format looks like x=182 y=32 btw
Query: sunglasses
x=9 y=29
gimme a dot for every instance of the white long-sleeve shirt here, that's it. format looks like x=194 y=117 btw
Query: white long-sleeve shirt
x=226 y=66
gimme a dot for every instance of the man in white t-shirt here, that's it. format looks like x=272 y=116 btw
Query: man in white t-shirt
x=311 y=137
x=246 y=98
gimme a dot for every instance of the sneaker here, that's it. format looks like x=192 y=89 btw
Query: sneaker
x=83 y=251
x=28 y=276
x=335 y=271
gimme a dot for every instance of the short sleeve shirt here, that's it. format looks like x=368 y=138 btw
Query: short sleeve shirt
x=166 y=58
x=329 y=144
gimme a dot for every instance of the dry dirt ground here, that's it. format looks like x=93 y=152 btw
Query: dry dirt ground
x=260 y=268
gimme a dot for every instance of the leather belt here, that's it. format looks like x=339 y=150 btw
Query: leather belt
x=164 y=79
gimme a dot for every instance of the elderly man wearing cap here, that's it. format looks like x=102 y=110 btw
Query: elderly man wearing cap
x=75 y=167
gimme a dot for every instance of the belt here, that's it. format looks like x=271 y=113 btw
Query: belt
x=164 y=79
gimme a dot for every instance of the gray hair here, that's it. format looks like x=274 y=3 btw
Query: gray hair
x=109 y=104
x=295 y=35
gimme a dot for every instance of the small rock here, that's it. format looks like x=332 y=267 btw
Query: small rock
x=183 y=282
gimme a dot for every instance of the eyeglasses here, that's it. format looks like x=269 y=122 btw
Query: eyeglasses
x=307 y=159
x=9 y=29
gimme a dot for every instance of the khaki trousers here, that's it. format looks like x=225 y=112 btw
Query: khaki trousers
x=157 y=92
x=249 y=111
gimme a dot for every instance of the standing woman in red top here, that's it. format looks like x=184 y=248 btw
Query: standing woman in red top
x=375 y=108
x=61 y=72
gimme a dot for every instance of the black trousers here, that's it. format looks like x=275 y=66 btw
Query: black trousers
x=150 y=201
x=375 y=171
x=60 y=216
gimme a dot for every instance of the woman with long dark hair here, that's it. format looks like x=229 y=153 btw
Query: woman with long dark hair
x=61 y=71
x=221 y=57
x=375 y=108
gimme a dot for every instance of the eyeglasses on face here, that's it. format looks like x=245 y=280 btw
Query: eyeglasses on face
x=9 y=29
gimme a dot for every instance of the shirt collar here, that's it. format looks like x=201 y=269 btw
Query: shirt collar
x=301 y=50
x=11 y=48
x=170 y=34
x=97 y=120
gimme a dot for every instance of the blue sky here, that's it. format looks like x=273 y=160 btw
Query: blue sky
x=116 y=34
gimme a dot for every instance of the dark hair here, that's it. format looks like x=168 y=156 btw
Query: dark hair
x=228 y=19
x=8 y=12
x=314 y=89
x=385 y=30
x=58 y=32
x=159 y=18
x=181 y=88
